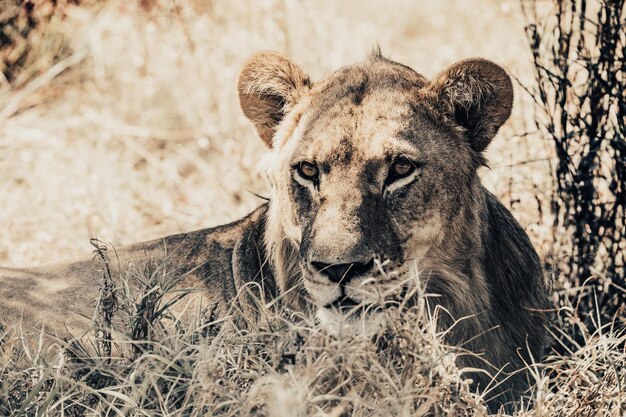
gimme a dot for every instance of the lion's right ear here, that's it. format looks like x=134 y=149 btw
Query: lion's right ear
x=269 y=86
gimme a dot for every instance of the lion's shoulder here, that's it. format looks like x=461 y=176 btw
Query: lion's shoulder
x=223 y=258
x=507 y=244
x=514 y=271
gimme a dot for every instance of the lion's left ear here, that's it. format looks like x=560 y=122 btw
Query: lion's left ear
x=269 y=85
x=478 y=95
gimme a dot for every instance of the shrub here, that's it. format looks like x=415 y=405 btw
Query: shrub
x=579 y=57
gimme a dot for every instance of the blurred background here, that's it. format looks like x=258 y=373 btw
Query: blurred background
x=120 y=120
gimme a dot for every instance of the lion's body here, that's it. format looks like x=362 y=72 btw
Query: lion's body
x=374 y=180
x=211 y=263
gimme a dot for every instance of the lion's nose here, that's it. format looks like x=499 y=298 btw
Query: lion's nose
x=343 y=273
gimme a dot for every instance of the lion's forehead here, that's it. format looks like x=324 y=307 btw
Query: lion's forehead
x=349 y=133
x=367 y=106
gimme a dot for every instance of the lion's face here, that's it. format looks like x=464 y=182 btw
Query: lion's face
x=368 y=168
x=365 y=189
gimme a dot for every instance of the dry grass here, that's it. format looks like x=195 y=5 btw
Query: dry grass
x=123 y=124
x=281 y=364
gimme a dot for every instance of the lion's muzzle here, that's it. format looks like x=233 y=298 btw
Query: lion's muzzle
x=341 y=275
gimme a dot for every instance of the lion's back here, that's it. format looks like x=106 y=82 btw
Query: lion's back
x=57 y=296
x=64 y=297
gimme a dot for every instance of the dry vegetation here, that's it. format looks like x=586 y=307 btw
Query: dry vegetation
x=119 y=120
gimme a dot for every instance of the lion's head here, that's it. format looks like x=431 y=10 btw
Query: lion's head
x=369 y=169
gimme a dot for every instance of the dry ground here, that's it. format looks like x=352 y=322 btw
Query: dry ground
x=124 y=124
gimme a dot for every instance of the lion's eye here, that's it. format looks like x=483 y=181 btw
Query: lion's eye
x=307 y=170
x=401 y=168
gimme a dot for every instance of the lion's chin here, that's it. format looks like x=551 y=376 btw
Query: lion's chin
x=357 y=321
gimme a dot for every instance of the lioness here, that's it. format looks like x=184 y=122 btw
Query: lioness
x=373 y=172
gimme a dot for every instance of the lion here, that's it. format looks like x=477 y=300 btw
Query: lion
x=373 y=175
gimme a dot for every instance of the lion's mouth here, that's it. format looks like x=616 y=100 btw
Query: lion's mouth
x=350 y=307
x=344 y=304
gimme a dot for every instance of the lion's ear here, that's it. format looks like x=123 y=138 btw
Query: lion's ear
x=269 y=85
x=478 y=95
